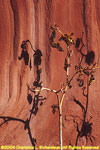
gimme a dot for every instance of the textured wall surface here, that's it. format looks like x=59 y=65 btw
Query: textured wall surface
x=31 y=20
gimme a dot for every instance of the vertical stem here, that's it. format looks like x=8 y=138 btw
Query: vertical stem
x=68 y=67
x=60 y=110
x=61 y=141
x=60 y=106
x=60 y=123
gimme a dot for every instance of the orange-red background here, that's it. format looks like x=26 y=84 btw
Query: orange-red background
x=31 y=19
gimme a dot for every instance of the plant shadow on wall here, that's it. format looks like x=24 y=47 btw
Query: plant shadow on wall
x=86 y=126
x=35 y=98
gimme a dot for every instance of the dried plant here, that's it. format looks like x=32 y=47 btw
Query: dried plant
x=35 y=97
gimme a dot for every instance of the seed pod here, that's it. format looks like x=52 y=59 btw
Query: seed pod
x=80 y=82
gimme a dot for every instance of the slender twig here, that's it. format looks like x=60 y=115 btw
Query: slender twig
x=41 y=89
x=59 y=30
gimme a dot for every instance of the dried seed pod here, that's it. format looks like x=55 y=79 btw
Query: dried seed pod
x=80 y=82
x=92 y=79
x=54 y=107
x=41 y=103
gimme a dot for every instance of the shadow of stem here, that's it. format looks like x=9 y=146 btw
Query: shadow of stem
x=7 y=119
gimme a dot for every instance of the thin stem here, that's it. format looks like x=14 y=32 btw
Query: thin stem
x=60 y=107
x=60 y=135
x=63 y=95
x=41 y=89
x=61 y=138
x=59 y=30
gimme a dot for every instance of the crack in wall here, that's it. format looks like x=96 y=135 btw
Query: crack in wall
x=36 y=16
x=36 y=2
x=15 y=47
x=48 y=47
x=84 y=22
